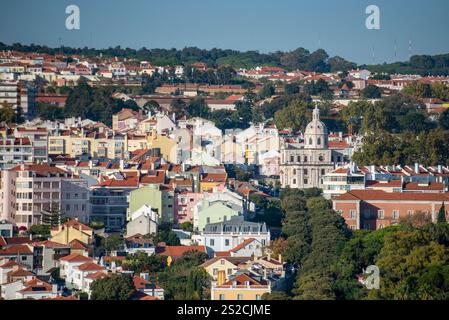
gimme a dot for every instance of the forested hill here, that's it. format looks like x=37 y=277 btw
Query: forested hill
x=437 y=65
x=317 y=61
x=302 y=59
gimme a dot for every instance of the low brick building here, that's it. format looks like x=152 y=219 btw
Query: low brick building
x=376 y=209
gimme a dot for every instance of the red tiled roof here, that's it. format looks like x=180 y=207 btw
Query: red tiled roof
x=214 y=177
x=36 y=285
x=141 y=283
x=20 y=273
x=75 y=257
x=241 y=280
x=2 y=241
x=16 y=250
x=222 y=253
x=77 y=245
x=178 y=251
x=18 y=240
x=90 y=266
x=50 y=244
x=97 y=275
x=373 y=195
x=384 y=184
x=242 y=245
x=156 y=177
x=338 y=145
x=434 y=186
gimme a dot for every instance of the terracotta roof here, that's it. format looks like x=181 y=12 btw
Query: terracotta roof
x=77 y=245
x=338 y=145
x=20 y=273
x=214 y=177
x=18 y=240
x=2 y=241
x=36 y=285
x=155 y=177
x=240 y=282
x=222 y=253
x=373 y=195
x=75 y=257
x=90 y=266
x=50 y=244
x=178 y=251
x=74 y=224
x=433 y=186
x=16 y=250
x=384 y=184
x=97 y=275
x=242 y=245
x=42 y=170
x=141 y=283
x=10 y=264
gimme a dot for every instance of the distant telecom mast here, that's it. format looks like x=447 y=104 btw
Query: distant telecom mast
x=410 y=49
x=395 y=49
x=374 y=55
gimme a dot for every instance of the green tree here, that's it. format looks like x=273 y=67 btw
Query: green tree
x=112 y=242
x=141 y=262
x=267 y=90
x=198 y=108
x=295 y=116
x=7 y=113
x=442 y=214
x=114 y=287
x=417 y=89
x=371 y=92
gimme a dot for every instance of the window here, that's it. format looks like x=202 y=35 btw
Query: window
x=258 y=297
x=212 y=242
x=222 y=261
x=410 y=213
x=380 y=214
x=240 y=296
x=318 y=141
x=229 y=271
x=306 y=172
x=294 y=172
x=222 y=297
x=381 y=226
x=215 y=271
x=306 y=181
x=395 y=214
x=310 y=141
x=226 y=242
x=305 y=159
x=353 y=214
x=323 y=172
x=294 y=181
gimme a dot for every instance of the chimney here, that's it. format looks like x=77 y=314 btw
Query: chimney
x=280 y=258
x=440 y=168
x=417 y=168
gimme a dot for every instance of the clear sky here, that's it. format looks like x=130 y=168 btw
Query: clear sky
x=338 y=26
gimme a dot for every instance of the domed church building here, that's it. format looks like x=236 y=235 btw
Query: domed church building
x=305 y=166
